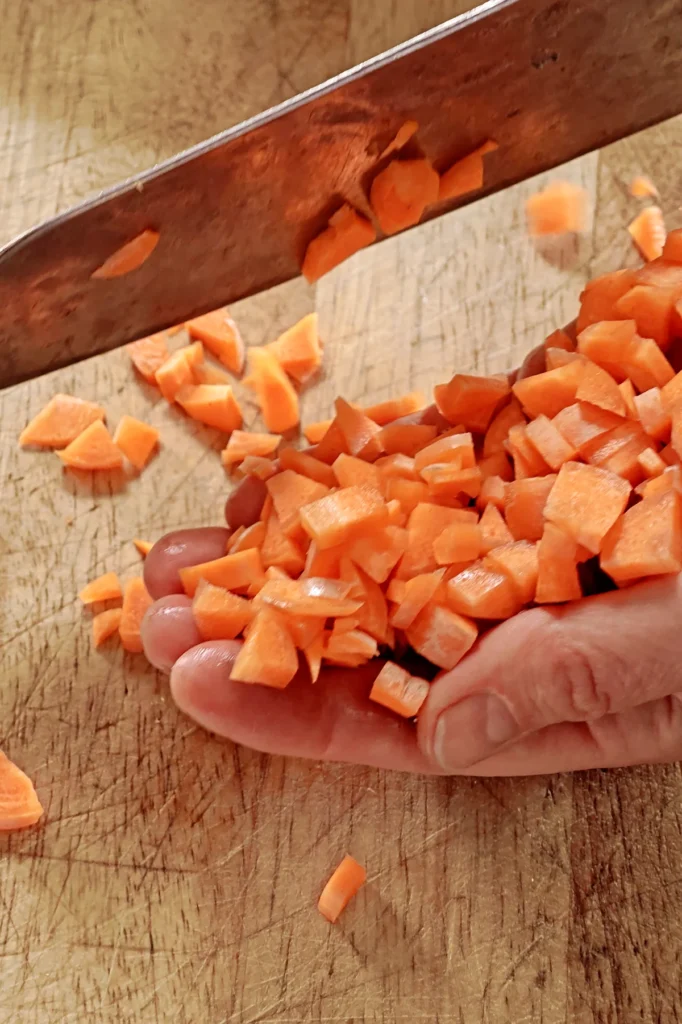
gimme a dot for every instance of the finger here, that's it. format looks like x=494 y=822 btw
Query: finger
x=168 y=630
x=176 y=551
x=331 y=720
x=599 y=656
x=245 y=504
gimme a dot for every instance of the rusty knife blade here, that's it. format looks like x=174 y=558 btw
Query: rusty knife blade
x=548 y=80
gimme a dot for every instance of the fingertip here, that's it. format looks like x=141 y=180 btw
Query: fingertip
x=168 y=631
x=176 y=551
x=199 y=679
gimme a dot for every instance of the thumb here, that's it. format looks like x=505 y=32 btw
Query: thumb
x=576 y=663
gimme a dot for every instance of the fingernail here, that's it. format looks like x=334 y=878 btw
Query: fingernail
x=472 y=730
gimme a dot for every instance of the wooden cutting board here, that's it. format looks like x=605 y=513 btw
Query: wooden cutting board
x=174 y=876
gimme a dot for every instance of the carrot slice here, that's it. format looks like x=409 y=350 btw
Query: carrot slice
x=233 y=572
x=651 y=463
x=246 y=537
x=653 y=415
x=361 y=434
x=646 y=540
x=314 y=432
x=581 y=423
x=143 y=546
x=456 y=448
x=345 y=235
x=466 y=175
x=148 y=355
x=331 y=446
x=447 y=479
x=599 y=388
x=129 y=257
x=411 y=596
x=298 y=349
x=396 y=466
x=384 y=413
x=290 y=492
x=494 y=530
x=557 y=567
x=409 y=493
x=497 y=467
x=560 y=208
x=585 y=502
x=93 y=449
x=136 y=601
x=341 y=887
x=105 y=624
x=642 y=187
x=342 y=515
x=526 y=456
x=306 y=465
x=441 y=635
x=243 y=443
x=550 y=392
x=398 y=691
x=599 y=297
x=19 y=803
x=471 y=401
x=276 y=397
x=653 y=310
x=178 y=370
x=672 y=250
x=482 y=593
x=461 y=542
x=401 y=192
x=497 y=433
x=648 y=232
x=493 y=490
x=219 y=614
x=211 y=404
x=627 y=391
x=256 y=465
x=519 y=561
x=313 y=596
x=280 y=551
x=524 y=506
x=550 y=443
x=426 y=523
x=348 y=470
x=104 y=588
x=402 y=136
x=378 y=552
x=220 y=334
x=137 y=440
x=406 y=438
x=268 y=655
x=350 y=647
x=60 y=422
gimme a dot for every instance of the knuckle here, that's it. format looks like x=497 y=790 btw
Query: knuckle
x=576 y=677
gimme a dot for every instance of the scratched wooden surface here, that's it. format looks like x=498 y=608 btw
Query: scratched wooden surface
x=174 y=876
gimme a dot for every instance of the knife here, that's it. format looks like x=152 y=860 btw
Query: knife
x=548 y=80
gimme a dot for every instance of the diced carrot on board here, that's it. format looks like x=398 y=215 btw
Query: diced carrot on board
x=456 y=448
x=105 y=624
x=136 y=601
x=345 y=235
x=398 y=691
x=129 y=257
x=279 y=550
x=510 y=415
x=60 y=422
x=220 y=334
x=341 y=887
x=379 y=551
x=206 y=373
x=585 y=502
x=426 y=523
x=275 y=394
x=653 y=310
x=19 y=803
x=314 y=432
x=402 y=136
x=104 y=588
x=219 y=614
x=401 y=192
x=482 y=593
x=307 y=465
x=524 y=506
x=406 y=438
x=313 y=596
x=494 y=530
x=653 y=415
x=137 y=440
x=143 y=546
x=243 y=443
x=233 y=572
x=461 y=542
x=338 y=517
x=331 y=446
x=212 y=404
x=600 y=295
x=415 y=594
x=93 y=449
x=672 y=250
x=551 y=444
x=557 y=567
x=290 y=492
x=559 y=209
x=642 y=187
x=361 y=434
x=386 y=412
x=148 y=355
x=298 y=349
x=471 y=401
x=528 y=461
x=550 y=392
x=646 y=540
x=493 y=490
x=599 y=388
x=519 y=561
x=178 y=370
x=648 y=232
x=268 y=655
x=466 y=175
x=348 y=470
x=441 y=635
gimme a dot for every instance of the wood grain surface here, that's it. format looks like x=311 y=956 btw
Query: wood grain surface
x=174 y=876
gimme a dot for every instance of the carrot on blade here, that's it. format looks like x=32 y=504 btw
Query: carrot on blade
x=104 y=588
x=129 y=257
x=401 y=192
x=94 y=449
x=137 y=440
x=399 y=691
x=220 y=334
x=346 y=233
x=559 y=209
x=648 y=232
x=60 y=422
x=298 y=349
x=466 y=175
x=402 y=136
x=19 y=803
x=341 y=887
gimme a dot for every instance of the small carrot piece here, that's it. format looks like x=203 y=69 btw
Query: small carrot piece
x=276 y=397
x=105 y=624
x=497 y=467
x=19 y=803
x=406 y=438
x=148 y=355
x=409 y=493
x=528 y=461
x=298 y=349
x=447 y=479
x=143 y=546
x=653 y=310
x=379 y=551
x=580 y=423
x=268 y=655
x=361 y=434
x=386 y=412
x=129 y=257
x=212 y=404
x=290 y=492
x=372 y=616
x=559 y=209
x=331 y=446
x=104 y=588
x=466 y=175
x=524 y=506
x=557 y=567
x=510 y=415
x=672 y=250
x=653 y=415
x=346 y=233
x=550 y=392
x=219 y=614
x=461 y=542
x=482 y=593
x=314 y=432
x=627 y=390
x=401 y=192
x=312 y=596
x=246 y=537
x=348 y=470
x=456 y=448
x=60 y=422
x=519 y=561
x=412 y=595
x=205 y=373
x=398 y=691
x=338 y=517
x=178 y=370
x=585 y=502
x=642 y=187
x=220 y=334
x=493 y=490
x=398 y=466
x=441 y=635
x=599 y=388
x=648 y=232
x=402 y=136
x=243 y=443
x=651 y=463
x=232 y=572
x=646 y=540
x=307 y=465
x=137 y=440
x=471 y=401
x=550 y=443
x=348 y=878
x=494 y=530
x=600 y=295
x=426 y=523
x=93 y=449
x=136 y=601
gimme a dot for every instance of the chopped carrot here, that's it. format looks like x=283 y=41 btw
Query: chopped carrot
x=599 y=297
x=664 y=273
x=557 y=567
x=129 y=257
x=372 y=616
x=461 y=542
x=448 y=479
x=550 y=392
x=599 y=388
x=105 y=624
x=233 y=572
x=361 y=434
x=559 y=209
x=411 y=596
x=646 y=540
x=550 y=443
x=466 y=175
x=648 y=232
x=379 y=551
x=398 y=691
x=524 y=506
x=290 y=492
x=494 y=530
x=581 y=423
x=409 y=493
x=276 y=397
x=256 y=465
x=384 y=413
x=19 y=803
x=585 y=502
x=676 y=431
x=242 y=443
x=211 y=404
x=60 y=422
x=206 y=373
x=401 y=192
x=348 y=878
x=642 y=187
x=350 y=647
x=618 y=450
x=178 y=370
x=268 y=655
x=314 y=432
x=525 y=455
x=617 y=348
x=672 y=250
x=93 y=449
x=559 y=339
x=496 y=466
x=313 y=596
x=137 y=440
x=136 y=601
x=653 y=415
x=104 y=588
x=653 y=310
x=148 y=355
x=456 y=448
x=220 y=334
x=519 y=561
x=556 y=357
x=280 y=551
x=331 y=446
x=219 y=614
x=497 y=433
x=627 y=391
x=493 y=490
x=405 y=438
x=338 y=517
x=402 y=136
x=247 y=537
x=651 y=463
x=471 y=401
x=348 y=470
x=306 y=465
x=426 y=523
x=298 y=350
x=482 y=593
x=396 y=466
x=346 y=233
x=143 y=546
x=441 y=635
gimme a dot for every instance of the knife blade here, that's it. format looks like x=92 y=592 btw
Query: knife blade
x=548 y=80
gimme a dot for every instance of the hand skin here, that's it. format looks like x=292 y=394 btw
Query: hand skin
x=595 y=684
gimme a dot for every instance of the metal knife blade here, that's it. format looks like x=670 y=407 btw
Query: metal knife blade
x=547 y=79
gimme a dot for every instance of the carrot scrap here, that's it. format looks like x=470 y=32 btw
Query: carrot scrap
x=105 y=624
x=557 y=556
x=393 y=409
x=136 y=601
x=398 y=691
x=219 y=614
x=268 y=655
x=242 y=443
x=585 y=502
x=642 y=187
x=466 y=175
x=178 y=370
x=143 y=546
x=307 y=465
x=275 y=394
x=212 y=404
x=648 y=232
x=298 y=350
x=441 y=635
x=137 y=440
x=559 y=209
x=345 y=235
x=314 y=432
x=401 y=192
x=471 y=401
x=148 y=355
x=220 y=334
x=60 y=422
x=93 y=449
x=129 y=257
x=104 y=588
x=19 y=803
x=402 y=136
x=232 y=572
x=348 y=878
